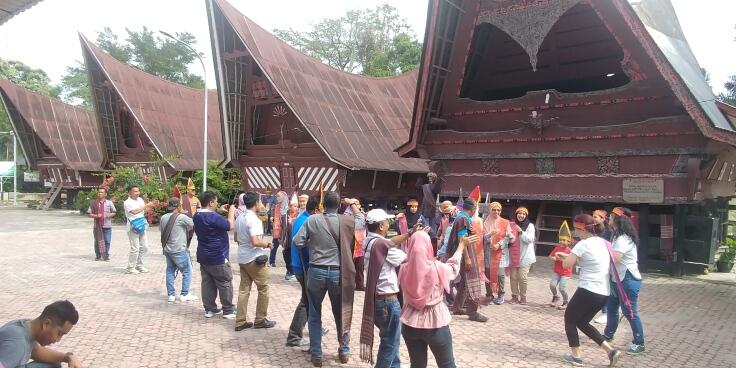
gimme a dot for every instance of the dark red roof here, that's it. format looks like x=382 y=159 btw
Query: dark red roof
x=170 y=114
x=72 y=133
x=357 y=120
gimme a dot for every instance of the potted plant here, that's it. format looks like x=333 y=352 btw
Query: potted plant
x=726 y=259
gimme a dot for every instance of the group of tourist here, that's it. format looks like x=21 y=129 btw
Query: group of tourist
x=414 y=282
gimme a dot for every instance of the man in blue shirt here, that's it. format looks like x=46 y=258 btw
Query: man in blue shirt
x=213 y=254
x=299 y=264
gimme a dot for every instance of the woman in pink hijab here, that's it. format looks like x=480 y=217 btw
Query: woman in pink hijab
x=425 y=317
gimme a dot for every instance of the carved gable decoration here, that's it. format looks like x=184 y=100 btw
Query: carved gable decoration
x=608 y=165
x=526 y=21
x=545 y=166
x=489 y=166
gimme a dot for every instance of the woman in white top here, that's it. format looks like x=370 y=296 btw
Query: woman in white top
x=591 y=254
x=625 y=240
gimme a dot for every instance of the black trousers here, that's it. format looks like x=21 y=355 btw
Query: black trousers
x=301 y=314
x=581 y=309
x=439 y=340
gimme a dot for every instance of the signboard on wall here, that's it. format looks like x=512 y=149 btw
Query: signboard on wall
x=643 y=190
x=31 y=177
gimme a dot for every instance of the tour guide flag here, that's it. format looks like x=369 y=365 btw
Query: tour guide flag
x=475 y=194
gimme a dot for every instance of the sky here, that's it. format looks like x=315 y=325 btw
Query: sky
x=45 y=36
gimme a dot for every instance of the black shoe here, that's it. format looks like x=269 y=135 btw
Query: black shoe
x=264 y=323
x=106 y=259
x=244 y=326
x=98 y=259
x=317 y=362
x=477 y=317
x=460 y=312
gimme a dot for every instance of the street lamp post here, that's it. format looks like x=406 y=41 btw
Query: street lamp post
x=204 y=76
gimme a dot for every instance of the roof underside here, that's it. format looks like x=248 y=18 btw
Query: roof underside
x=72 y=133
x=357 y=120
x=170 y=114
x=11 y=8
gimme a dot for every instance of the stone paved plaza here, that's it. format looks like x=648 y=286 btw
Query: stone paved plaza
x=126 y=321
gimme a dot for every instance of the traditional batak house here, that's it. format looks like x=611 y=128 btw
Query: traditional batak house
x=60 y=141
x=291 y=122
x=571 y=105
x=147 y=121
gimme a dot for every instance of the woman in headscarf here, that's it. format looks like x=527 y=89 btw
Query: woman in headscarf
x=591 y=254
x=407 y=219
x=521 y=255
x=425 y=317
x=497 y=236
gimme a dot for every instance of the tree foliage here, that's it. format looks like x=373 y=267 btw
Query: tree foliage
x=375 y=42
x=729 y=96
x=157 y=55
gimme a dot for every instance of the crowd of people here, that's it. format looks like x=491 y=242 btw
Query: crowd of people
x=436 y=266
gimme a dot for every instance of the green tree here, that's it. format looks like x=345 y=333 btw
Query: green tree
x=730 y=96
x=375 y=42
x=143 y=49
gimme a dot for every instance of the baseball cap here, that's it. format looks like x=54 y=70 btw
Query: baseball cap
x=377 y=215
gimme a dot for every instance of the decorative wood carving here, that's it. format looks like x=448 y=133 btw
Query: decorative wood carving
x=527 y=22
x=537 y=122
x=608 y=165
x=279 y=110
x=545 y=166
x=489 y=166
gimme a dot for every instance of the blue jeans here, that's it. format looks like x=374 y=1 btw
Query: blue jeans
x=320 y=282
x=107 y=236
x=178 y=261
x=387 y=317
x=631 y=287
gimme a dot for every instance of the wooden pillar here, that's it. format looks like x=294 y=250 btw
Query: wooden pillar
x=679 y=221
x=643 y=251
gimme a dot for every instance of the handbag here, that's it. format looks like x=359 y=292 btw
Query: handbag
x=138 y=225
x=621 y=293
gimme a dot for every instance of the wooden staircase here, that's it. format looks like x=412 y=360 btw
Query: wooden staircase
x=50 y=197
x=549 y=220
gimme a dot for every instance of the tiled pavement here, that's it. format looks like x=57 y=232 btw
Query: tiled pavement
x=126 y=321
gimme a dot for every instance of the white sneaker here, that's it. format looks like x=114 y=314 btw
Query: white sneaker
x=210 y=314
x=172 y=298
x=132 y=271
x=230 y=315
x=602 y=319
x=142 y=270
x=188 y=298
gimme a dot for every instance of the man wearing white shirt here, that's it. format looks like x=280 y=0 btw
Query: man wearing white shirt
x=135 y=207
x=382 y=257
x=253 y=253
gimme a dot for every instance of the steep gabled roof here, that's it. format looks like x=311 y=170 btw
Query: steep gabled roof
x=11 y=8
x=357 y=120
x=655 y=25
x=72 y=133
x=170 y=114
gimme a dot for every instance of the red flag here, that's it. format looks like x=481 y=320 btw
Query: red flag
x=475 y=194
x=176 y=192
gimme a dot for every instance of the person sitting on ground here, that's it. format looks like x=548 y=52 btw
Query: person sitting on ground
x=175 y=227
x=25 y=339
